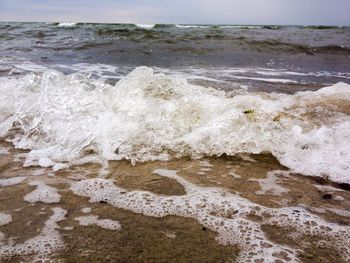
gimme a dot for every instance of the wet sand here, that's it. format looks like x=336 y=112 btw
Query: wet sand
x=170 y=238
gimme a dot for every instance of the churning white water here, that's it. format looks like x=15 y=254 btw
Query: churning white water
x=67 y=120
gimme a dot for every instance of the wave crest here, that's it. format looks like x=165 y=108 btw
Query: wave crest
x=67 y=120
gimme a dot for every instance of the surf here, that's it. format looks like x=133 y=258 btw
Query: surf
x=66 y=120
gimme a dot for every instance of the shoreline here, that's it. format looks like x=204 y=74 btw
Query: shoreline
x=163 y=239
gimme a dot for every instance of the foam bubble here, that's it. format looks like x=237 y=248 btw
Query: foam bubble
x=43 y=193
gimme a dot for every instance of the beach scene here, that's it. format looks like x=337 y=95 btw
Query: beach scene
x=208 y=140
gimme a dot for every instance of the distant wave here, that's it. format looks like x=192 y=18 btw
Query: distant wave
x=322 y=27
x=241 y=27
x=155 y=26
x=146 y=26
x=167 y=36
x=66 y=24
x=164 y=25
x=274 y=45
x=192 y=26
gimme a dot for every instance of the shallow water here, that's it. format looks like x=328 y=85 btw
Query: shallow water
x=261 y=57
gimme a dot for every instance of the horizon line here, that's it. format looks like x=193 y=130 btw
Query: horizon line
x=159 y=23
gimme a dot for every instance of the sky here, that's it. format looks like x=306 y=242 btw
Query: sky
x=282 y=12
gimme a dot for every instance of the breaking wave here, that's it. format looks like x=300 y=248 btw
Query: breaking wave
x=66 y=24
x=146 y=26
x=68 y=120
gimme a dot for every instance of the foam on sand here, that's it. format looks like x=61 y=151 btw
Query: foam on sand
x=68 y=120
x=269 y=184
x=12 y=181
x=41 y=246
x=104 y=223
x=225 y=213
x=5 y=219
x=43 y=193
x=4 y=150
x=86 y=210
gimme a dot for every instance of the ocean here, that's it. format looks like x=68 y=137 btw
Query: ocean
x=236 y=133
x=267 y=58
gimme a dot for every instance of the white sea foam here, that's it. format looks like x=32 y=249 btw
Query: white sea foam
x=43 y=193
x=328 y=188
x=241 y=26
x=12 y=181
x=104 y=223
x=192 y=26
x=41 y=246
x=217 y=74
x=234 y=174
x=339 y=198
x=67 y=120
x=269 y=184
x=146 y=26
x=225 y=213
x=86 y=210
x=39 y=172
x=4 y=150
x=66 y=24
x=5 y=219
x=271 y=80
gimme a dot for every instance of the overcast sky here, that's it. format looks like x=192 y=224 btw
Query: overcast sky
x=301 y=12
